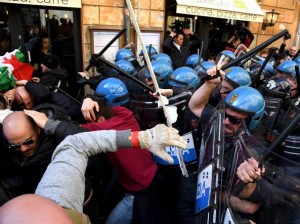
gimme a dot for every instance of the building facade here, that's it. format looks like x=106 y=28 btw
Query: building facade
x=96 y=22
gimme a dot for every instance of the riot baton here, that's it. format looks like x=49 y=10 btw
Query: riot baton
x=68 y=95
x=105 y=48
x=273 y=148
x=249 y=54
x=256 y=49
x=256 y=81
x=139 y=82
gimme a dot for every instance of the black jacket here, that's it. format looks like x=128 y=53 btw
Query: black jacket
x=179 y=57
x=21 y=175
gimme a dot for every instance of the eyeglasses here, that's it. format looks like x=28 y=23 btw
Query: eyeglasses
x=233 y=120
x=18 y=146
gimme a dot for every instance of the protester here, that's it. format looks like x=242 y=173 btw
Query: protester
x=41 y=49
x=136 y=170
x=70 y=160
x=291 y=52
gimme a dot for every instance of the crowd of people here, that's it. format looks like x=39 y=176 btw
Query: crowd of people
x=64 y=149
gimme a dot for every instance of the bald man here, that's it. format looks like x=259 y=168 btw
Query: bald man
x=30 y=149
x=22 y=133
x=291 y=52
x=63 y=182
x=33 y=209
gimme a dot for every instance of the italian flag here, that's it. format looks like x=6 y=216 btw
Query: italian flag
x=12 y=67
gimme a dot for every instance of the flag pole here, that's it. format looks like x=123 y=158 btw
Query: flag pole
x=146 y=56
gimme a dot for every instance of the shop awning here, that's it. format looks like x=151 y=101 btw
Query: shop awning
x=245 y=10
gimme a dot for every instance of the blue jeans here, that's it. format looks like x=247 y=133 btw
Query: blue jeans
x=122 y=213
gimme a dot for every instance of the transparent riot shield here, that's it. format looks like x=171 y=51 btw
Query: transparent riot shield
x=274 y=197
x=209 y=184
x=148 y=112
x=272 y=109
x=245 y=146
x=273 y=117
x=252 y=65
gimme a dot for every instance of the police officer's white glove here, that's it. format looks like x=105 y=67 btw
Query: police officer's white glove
x=155 y=139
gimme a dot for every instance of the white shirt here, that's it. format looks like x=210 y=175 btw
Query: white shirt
x=177 y=45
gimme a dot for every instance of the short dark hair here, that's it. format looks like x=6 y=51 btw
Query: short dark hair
x=105 y=110
x=179 y=33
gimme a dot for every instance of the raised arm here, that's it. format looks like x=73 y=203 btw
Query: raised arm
x=201 y=96
x=63 y=181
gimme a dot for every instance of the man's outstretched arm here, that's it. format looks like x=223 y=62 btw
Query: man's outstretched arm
x=63 y=181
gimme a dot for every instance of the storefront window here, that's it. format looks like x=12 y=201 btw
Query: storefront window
x=56 y=25
x=39 y=32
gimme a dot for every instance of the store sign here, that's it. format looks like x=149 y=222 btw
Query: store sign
x=245 y=10
x=51 y=3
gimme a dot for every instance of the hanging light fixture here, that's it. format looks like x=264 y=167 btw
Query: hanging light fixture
x=271 y=19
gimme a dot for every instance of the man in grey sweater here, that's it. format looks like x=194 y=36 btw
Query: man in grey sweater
x=63 y=182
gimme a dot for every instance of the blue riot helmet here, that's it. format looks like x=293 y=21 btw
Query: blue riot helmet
x=127 y=67
x=151 y=52
x=203 y=67
x=277 y=87
x=237 y=76
x=162 y=70
x=193 y=60
x=113 y=90
x=162 y=56
x=247 y=100
x=184 y=77
x=225 y=57
x=125 y=54
x=297 y=60
x=287 y=67
x=268 y=71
